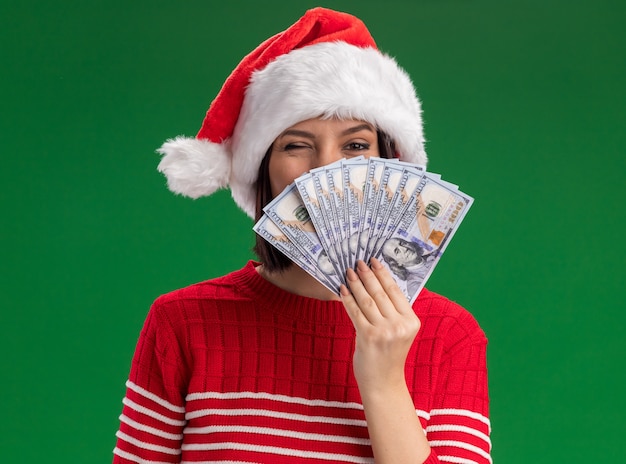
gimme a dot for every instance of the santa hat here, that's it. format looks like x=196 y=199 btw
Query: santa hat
x=325 y=65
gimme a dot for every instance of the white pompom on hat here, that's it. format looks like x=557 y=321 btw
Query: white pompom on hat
x=325 y=65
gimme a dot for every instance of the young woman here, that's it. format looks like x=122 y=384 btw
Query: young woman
x=265 y=364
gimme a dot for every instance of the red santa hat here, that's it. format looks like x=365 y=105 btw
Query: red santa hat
x=325 y=65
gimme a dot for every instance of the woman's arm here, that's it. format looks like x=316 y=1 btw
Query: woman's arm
x=386 y=326
x=153 y=417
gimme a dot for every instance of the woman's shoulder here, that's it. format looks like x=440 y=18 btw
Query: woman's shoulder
x=441 y=316
x=229 y=286
x=190 y=311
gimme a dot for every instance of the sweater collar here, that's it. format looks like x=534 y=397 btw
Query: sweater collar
x=281 y=302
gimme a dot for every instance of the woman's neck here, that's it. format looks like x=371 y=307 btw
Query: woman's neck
x=297 y=281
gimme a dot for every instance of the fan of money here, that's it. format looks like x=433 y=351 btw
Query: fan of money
x=356 y=209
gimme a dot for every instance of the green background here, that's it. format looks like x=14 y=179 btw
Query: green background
x=524 y=107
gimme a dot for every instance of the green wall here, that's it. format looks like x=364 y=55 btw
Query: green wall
x=524 y=107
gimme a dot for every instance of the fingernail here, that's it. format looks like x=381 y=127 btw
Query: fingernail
x=351 y=275
x=376 y=264
x=343 y=290
x=361 y=266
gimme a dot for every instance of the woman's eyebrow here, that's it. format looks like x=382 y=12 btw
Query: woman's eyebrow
x=298 y=133
x=310 y=135
x=359 y=128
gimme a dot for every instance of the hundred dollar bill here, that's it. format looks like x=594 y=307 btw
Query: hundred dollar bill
x=370 y=195
x=451 y=186
x=422 y=235
x=306 y=189
x=323 y=193
x=338 y=211
x=404 y=197
x=392 y=185
x=354 y=173
x=270 y=232
x=292 y=218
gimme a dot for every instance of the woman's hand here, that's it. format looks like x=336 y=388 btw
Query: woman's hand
x=385 y=324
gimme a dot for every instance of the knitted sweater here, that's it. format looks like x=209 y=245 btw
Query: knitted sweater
x=236 y=370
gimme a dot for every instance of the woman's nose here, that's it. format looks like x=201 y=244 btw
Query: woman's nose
x=327 y=155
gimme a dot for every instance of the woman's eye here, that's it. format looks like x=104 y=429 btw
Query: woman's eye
x=358 y=146
x=295 y=146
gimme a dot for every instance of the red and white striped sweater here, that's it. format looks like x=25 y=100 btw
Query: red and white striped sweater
x=236 y=370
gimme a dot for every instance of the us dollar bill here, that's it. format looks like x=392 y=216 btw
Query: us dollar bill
x=291 y=216
x=393 y=183
x=354 y=172
x=370 y=197
x=270 y=232
x=416 y=245
x=315 y=206
x=324 y=196
x=338 y=213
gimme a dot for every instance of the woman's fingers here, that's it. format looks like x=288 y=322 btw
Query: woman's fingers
x=375 y=294
x=390 y=287
x=361 y=296
x=352 y=307
x=379 y=286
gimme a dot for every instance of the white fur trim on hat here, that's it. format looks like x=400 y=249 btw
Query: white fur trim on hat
x=194 y=167
x=323 y=80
